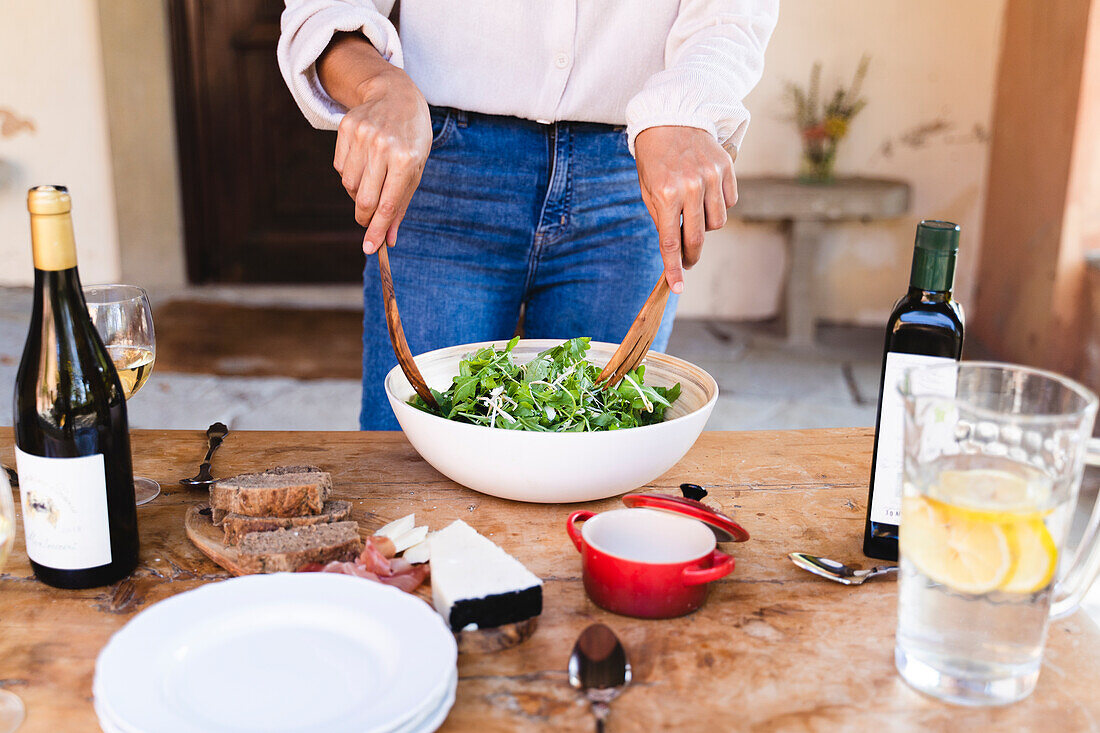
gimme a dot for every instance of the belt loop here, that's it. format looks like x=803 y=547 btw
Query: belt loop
x=460 y=117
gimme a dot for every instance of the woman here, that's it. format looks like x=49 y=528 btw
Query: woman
x=506 y=140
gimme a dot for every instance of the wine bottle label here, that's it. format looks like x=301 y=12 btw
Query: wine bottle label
x=889 y=460
x=65 y=510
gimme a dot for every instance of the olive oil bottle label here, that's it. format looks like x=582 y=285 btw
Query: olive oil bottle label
x=65 y=510
x=889 y=461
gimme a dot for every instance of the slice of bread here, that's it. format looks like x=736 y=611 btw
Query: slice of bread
x=271 y=494
x=281 y=470
x=286 y=550
x=238 y=525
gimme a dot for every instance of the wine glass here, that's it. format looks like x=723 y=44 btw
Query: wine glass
x=124 y=319
x=12 y=711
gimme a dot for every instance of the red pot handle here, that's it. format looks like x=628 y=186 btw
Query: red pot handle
x=721 y=565
x=573 y=530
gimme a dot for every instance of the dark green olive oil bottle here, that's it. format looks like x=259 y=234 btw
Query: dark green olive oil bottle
x=925 y=327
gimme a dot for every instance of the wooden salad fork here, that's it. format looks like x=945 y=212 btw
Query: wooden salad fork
x=397 y=334
x=639 y=338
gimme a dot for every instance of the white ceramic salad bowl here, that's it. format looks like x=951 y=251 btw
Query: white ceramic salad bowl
x=553 y=467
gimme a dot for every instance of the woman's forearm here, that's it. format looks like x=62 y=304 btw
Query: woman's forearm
x=347 y=66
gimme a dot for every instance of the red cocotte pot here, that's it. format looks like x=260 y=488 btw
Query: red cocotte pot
x=654 y=560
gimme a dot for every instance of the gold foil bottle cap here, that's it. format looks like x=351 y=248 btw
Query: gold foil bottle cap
x=49 y=200
x=51 y=228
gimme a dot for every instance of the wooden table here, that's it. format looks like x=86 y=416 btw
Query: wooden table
x=773 y=649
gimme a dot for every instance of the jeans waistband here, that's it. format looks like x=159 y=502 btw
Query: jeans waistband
x=464 y=118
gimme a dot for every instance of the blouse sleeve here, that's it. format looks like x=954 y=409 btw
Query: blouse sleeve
x=307 y=27
x=713 y=57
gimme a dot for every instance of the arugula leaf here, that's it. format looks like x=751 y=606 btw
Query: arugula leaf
x=554 y=392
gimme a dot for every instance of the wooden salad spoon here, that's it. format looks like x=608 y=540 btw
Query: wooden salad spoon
x=639 y=338
x=397 y=334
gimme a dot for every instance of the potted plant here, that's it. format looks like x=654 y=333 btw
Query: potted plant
x=822 y=127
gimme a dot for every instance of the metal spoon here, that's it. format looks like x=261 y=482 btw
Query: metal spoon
x=598 y=667
x=215 y=434
x=838 y=571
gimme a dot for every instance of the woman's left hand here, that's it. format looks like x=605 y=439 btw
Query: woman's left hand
x=684 y=172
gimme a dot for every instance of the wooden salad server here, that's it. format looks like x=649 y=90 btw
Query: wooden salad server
x=641 y=334
x=397 y=334
x=639 y=338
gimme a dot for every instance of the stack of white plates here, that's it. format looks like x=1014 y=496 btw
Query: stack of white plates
x=283 y=653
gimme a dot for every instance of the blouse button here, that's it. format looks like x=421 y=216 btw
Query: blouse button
x=561 y=60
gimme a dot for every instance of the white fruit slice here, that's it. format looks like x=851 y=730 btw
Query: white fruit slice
x=398 y=527
x=413 y=537
x=419 y=553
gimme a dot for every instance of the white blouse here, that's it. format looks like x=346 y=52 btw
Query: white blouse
x=641 y=63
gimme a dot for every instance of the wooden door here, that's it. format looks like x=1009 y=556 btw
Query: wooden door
x=261 y=200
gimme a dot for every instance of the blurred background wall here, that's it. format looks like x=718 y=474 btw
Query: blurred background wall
x=100 y=99
x=53 y=129
x=930 y=90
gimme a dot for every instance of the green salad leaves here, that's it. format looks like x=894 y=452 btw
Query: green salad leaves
x=554 y=392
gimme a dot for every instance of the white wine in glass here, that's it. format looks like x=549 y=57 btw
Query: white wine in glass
x=124 y=319
x=12 y=711
x=134 y=364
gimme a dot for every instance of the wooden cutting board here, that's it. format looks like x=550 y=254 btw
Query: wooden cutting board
x=202 y=532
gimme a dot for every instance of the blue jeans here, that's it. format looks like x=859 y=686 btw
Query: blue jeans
x=512 y=213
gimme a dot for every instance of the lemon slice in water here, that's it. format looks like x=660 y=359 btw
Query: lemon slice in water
x=955 y=548
x=987 y=494
x=1035 y=555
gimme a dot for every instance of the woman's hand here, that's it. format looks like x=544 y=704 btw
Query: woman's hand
x=383 y=141
x=683 y=172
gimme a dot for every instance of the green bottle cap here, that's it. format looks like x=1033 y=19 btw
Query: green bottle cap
x=934 y=252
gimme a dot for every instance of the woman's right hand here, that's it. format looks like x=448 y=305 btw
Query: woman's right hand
x=383 y=141
x=381 y=147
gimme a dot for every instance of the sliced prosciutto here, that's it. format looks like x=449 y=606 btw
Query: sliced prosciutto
x=408 y=580
x=375 y=563
x=373 y=558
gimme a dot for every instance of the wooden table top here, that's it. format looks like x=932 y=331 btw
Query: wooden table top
x=773 y=649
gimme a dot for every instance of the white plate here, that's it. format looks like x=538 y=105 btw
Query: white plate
x=282 y=653
x=427 y=721
x=436 y=719
x=433 y=716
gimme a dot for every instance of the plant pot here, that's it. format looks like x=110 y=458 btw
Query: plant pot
x=818 y=160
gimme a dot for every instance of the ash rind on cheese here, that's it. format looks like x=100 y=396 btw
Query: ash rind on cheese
x=476 y=583
x=496 y=610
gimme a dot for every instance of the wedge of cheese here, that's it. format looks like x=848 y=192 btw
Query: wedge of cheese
x=476 y=584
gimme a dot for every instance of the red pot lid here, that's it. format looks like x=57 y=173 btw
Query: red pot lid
x=724 y=528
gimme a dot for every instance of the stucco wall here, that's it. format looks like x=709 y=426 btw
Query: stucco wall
x=930 y=91
x=53 y=129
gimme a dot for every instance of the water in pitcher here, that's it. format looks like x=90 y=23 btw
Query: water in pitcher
x=979 y=553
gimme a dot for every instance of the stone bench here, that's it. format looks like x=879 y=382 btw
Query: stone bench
x=805 y=210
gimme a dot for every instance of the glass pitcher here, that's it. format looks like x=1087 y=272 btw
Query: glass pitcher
x=994 y=455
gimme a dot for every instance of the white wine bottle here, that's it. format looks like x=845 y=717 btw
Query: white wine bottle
x=71 y=435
